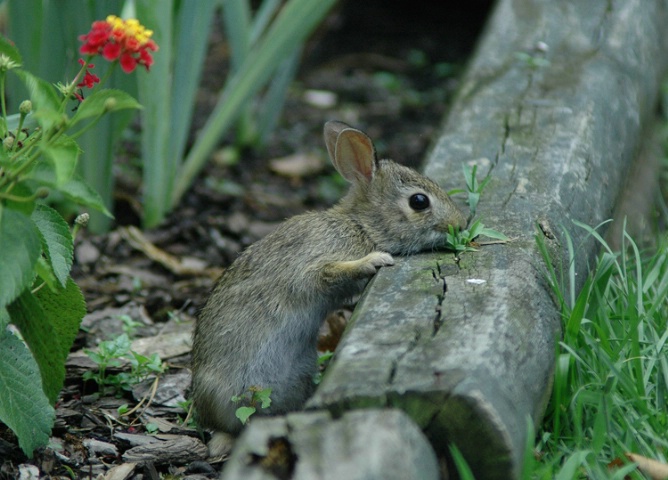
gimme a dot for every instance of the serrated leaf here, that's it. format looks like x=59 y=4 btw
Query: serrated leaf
x=44 y=98
x=23 y=406
x=65 y=309
x=64 y=155
x=44 y=272
x=20 y=247
x=38 y=331
x=9 y=49
x=22 y=191
x=104 y=101
x=4 y=318
x=75 y=189
x=56 y=241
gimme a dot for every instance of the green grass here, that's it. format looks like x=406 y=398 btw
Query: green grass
x=611 y=377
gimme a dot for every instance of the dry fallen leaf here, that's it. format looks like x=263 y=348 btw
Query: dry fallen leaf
x=655 y=470
x=298 y=165
x=179 y=266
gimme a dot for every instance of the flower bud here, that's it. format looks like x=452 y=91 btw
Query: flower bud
x=7 y=63
x=82 y=219
x=8 y=142
x=26 y=107
x=109 y=104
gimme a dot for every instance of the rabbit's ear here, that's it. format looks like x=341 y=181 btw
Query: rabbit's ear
x=352 y=152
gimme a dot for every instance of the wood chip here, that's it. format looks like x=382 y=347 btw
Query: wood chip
x=120 y=472
x=177 y=451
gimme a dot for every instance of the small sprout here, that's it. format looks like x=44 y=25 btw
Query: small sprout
x=252 y=399
x=151 y=428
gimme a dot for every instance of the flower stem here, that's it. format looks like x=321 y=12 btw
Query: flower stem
x=2 y=96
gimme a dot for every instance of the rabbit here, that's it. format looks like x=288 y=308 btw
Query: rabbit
x=259 y=327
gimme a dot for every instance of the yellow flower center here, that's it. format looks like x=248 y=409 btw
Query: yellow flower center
x=130 y=28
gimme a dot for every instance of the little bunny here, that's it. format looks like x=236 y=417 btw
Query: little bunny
x=259 y=327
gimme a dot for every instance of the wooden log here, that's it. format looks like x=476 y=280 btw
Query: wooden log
x=362 y=445
x=553 y=106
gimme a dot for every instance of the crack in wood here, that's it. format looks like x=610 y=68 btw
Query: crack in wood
x=440 y=298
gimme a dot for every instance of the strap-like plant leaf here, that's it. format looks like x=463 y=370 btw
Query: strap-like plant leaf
x=19 y=250
x=23 y=406
x=56 y=241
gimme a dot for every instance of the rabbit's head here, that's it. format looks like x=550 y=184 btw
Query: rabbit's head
x=401 y=210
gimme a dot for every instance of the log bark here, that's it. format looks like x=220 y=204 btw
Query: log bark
x=553 y=106
x=362 y=445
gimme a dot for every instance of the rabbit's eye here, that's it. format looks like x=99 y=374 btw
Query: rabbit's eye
x=419 y=202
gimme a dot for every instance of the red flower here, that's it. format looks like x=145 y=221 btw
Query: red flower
x=89 y=79
x=124 y=40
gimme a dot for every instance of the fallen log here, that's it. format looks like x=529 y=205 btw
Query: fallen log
x=362 y=445
x=553 y=108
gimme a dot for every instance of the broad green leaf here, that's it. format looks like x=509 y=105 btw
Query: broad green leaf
x=45 y=273
x=21 y=191
x=65 y=309
x=23 y=406
x=8 y=49
x=64 y=155
x=75 y=189
x=104 y=101
x=39 y=333
x=20 y=248
x=4 y=318
x=56 y=241
x=80 y=192
x=244 y=413
x=43 y=96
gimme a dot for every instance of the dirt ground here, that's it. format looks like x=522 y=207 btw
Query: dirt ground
x=388 y=68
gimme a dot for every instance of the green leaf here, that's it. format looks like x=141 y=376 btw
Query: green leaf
x=44 y=271
x=491 y=233
x=64 y=309
x=244 y=413
x=4 y=318
x=64 y=155
x=75 y=189
x=104 y=101
x=22 y=191
x=7 y=48
x=23 y=406
x=39 y=333
x=20 y=247
x=44 y=98
x=56 y=241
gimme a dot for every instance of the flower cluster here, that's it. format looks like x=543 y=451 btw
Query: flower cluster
x=124 y=40
x=90 y=79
